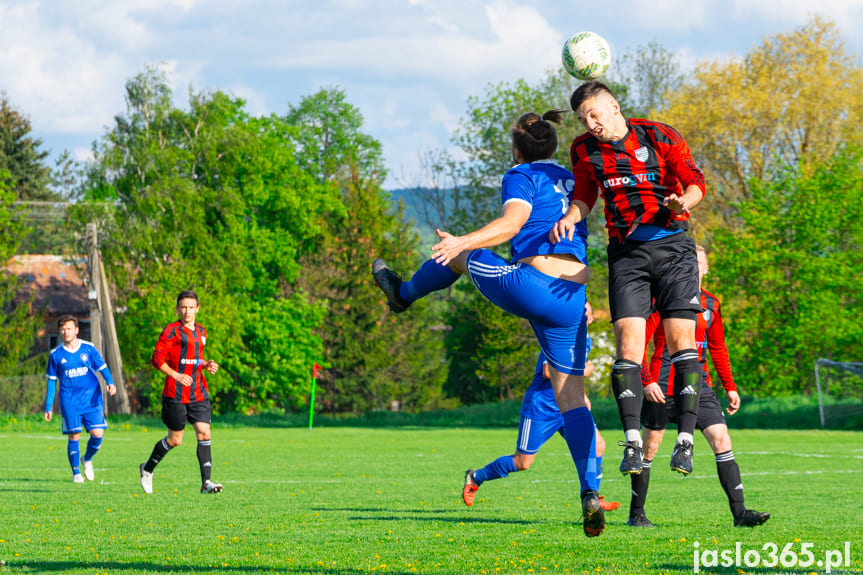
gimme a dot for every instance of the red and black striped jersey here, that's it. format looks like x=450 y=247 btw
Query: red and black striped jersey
x=183 y=350
x=709 y=337
x=635 y=175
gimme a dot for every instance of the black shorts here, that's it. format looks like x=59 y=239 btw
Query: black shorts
x=657 y=415
x=175 y=414
x=664 y=271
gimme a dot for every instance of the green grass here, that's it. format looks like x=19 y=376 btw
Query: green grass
x=357 y=500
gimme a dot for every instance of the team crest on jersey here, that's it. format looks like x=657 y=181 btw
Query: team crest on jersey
x=642 y=153
x=707 y=315
x=83 y=357
x=204 y=340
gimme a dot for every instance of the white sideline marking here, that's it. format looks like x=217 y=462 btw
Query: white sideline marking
x=713 y=476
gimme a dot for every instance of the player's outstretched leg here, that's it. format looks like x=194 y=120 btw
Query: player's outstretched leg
x=429 y=278
x=627 y=388
x=389 y=282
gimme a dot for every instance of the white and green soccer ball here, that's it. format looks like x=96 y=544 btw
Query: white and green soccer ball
x=586 y=56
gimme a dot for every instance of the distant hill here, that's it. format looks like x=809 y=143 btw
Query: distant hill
x=413 y=211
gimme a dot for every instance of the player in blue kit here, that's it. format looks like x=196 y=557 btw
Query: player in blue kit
x=540 y=420
x=74 y=365
x=543 y=283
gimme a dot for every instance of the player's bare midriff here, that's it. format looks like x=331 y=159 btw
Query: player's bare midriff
x=561 y=266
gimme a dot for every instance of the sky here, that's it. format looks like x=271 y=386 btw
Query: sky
x=409 y=66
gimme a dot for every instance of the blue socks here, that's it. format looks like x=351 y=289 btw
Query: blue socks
x=580 y=434
x=500 y=467
x=74 y=454
x=93 y=445
x=429 y=278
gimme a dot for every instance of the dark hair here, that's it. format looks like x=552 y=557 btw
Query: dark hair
x=64 y=319
x=534 y=136
x=187 y=294
x=587 y=91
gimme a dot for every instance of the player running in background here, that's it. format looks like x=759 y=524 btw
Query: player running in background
x=543 y=283
x=650 y=183
x=540 y=420
x=75 y=364
x=179 y=354
x=658 y=410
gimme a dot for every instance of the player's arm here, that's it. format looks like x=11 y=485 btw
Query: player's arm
x=49 y=397
x=718 y=349
x=679 y=160
x=585 y=192
x=98 y=365
x=494 y=233
x=51 y=388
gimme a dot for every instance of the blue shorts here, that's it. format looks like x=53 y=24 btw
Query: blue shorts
x=75 y=422
x=554 y=307
x=533 y=433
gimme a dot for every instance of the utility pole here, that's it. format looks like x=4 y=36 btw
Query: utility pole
x=102 y=327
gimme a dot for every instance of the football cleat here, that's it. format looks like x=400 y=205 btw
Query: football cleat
x=608 y=505
x=88 y=470
x=469 y=490
x=591 y=510
x=751 y=518
x=681 y=458
x=77 y=478
x=146 y=480
x=211 y=487
x=389 y=282
x=632 y=458
x=639 y=520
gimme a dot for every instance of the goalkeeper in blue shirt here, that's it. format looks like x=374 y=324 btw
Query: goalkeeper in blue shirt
x=74 y=365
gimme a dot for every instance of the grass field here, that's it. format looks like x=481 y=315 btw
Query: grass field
x=349 y=500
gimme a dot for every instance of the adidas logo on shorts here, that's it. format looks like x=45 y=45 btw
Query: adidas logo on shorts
x=688 y=390
x=626 y=394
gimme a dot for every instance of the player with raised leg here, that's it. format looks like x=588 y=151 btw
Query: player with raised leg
x=709 y=336
x=540 y=420
x=543 y=283
x=74 y=365
x=179 y=354
x=650 y=183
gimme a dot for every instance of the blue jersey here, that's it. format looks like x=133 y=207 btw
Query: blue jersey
x=75 y=370
x=539 y=401
x=545 y=187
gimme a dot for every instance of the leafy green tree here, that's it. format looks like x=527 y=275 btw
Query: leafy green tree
x=792 y=274
x=645 y=77
x=18 y=326
x=372 y=357
x=214 y=200
x=793 y=98
x=21 y=156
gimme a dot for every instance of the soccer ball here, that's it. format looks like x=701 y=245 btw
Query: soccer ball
x=586 y=56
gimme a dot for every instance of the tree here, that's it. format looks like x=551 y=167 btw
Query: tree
x=649 y=74
x=372 y=357
x=214 y=200
x=793 y=272
x=21 y=157
x=794 y=98
x=18 y=327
